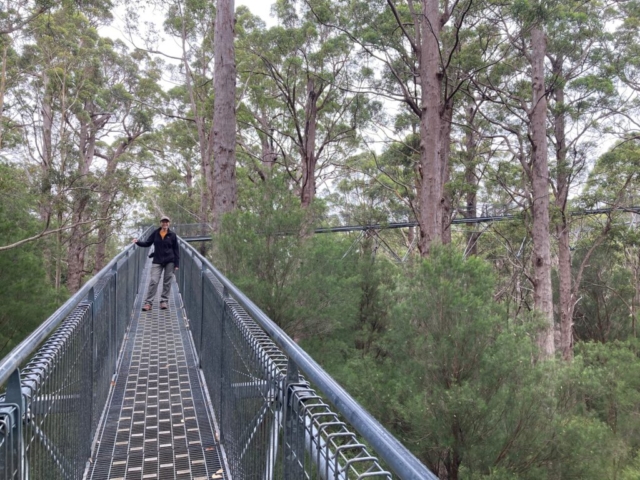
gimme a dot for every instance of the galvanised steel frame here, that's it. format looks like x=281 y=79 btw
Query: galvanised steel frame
x=53 y=403
x=281 y=416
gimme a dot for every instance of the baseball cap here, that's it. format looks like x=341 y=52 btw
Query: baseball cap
x=164 y=217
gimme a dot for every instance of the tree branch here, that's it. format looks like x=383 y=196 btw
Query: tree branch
x=46 y=232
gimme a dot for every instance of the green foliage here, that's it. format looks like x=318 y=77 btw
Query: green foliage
x=453 y=377
x=301 y=282
x=26 y=296
x=607 y=291
x=607 y=385
x=463 y=365
x=615 y=178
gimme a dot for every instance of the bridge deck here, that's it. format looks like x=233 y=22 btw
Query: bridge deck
x=158 y=423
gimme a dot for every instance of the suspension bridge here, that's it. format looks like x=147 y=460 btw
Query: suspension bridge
x=209 y=388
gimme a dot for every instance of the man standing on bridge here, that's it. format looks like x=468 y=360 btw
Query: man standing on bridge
x=166 y=258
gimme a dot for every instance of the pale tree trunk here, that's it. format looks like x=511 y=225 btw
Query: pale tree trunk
x=107 y=196
x=566 y=296
x=471 y=181
x=206 y=163
x=82 y=197
x=411 y=235
x=542 y=291
x=106 y=200
x=205 y=134
x=308 y=153
x=58 y=257
x=430 y=196
x=188 y=179
x=267 y=158
x=636 y=297
x=45 y=205
x=224 y=114
x=269 y=154
x=47 y=149
x=204 y=204
x=77 y=246
x=445 y=150
x=3 y=85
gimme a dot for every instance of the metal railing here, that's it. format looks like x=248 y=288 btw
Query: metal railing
x=281 y=415
x=53 y=404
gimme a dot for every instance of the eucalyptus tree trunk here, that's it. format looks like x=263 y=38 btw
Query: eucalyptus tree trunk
x=471 y=181
x=107 y=196
x=269 y=154
x=542 y=291
x=3 y=83
x=431 y=192
x=47 y=149
x=82 y=196
x=633 y=310
x=308 y=145
x=566 y=290
x=205 y=132
x=445 y=168
x=224 y=114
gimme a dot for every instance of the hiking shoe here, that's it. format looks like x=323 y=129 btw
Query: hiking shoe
x=163 y=305
x=147 y=307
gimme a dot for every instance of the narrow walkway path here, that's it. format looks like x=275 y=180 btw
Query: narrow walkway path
x=158 y=424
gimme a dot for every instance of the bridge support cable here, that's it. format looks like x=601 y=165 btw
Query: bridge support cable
x=322 y=430
x=201 y=232
x=53 y=403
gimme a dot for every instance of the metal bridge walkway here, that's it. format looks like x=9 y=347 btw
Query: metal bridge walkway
x=158 y=421
x=103 y=391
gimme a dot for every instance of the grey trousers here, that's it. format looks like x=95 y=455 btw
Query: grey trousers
x=156 y=271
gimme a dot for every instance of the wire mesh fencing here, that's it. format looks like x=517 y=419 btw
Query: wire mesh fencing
x=280 y=415
x=56 y=391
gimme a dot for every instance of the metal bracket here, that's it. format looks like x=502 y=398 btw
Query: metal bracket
x=293 y=441
x=11 y=443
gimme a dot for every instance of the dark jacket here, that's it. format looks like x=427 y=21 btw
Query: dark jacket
x=164 y=250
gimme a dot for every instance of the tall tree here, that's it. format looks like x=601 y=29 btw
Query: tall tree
x=418 y=44
x=517 y=90
x=582 y=101
x=539 y=174
x=224 y=194
x=85 y=81
x=304 y=96
x=192 y=24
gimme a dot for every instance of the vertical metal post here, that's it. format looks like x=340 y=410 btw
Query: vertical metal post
x=202 y=280
x=221 y=387
x=91 y=296
x=187 y=266
x=293 y=441
x=113 y=348
x=14 y=407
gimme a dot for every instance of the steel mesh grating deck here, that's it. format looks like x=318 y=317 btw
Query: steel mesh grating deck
x=158 y=424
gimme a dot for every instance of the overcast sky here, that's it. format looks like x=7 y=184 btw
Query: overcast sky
x=262 y=8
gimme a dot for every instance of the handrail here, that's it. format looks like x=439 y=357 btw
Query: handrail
x=29 y=345
x=390 y=450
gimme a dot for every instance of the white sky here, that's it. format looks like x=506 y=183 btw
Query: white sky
x=262 y=8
